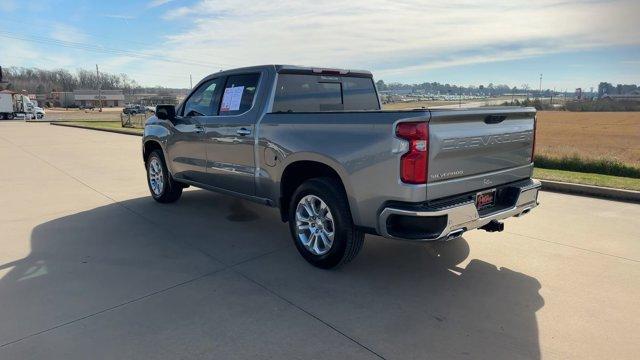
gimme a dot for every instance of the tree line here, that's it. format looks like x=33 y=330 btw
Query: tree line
x=605 y=88
x=492 y=89
x=39 y=81
x=436 y=87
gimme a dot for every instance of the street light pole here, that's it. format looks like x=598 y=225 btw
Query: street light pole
x=540 y=90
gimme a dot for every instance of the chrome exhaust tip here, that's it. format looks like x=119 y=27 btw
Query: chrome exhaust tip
x=454 y=234
x=524 y=212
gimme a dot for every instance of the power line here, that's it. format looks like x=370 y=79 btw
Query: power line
x=48 y=26
x=101 y=49
x=115 y=71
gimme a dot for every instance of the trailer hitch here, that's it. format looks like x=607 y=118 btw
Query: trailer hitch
x=493 y=226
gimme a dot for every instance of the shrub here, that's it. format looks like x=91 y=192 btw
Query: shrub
x=536 y=103
x=596 y=166
x=602 y=105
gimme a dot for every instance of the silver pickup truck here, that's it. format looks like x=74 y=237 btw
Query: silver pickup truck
x=315 y=143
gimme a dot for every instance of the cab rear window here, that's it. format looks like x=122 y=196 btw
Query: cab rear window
x=314 y=93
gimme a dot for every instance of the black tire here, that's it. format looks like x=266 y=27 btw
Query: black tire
x=347 y=240
x=171 y=190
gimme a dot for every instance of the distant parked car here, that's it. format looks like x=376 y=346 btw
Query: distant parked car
x=134 y=109
x=40 y=113
x=86 y=107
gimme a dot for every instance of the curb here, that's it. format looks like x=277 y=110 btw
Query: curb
x=44 y=121
x=117 y=131
x=590 y=190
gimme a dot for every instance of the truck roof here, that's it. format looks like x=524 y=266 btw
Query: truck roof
x=296 y=69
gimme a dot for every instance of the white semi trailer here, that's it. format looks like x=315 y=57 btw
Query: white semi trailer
x=15 y=105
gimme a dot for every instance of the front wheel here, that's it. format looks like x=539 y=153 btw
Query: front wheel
x=163 y=188
x=321 y=225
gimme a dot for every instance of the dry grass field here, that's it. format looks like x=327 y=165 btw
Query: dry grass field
x=416 y=104
x=590 y=135
x=451 y=103
x=107 y=114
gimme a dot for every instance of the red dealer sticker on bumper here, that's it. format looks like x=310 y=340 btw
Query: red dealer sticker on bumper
x=485 y=199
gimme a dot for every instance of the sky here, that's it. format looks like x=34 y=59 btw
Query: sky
x=162 y=42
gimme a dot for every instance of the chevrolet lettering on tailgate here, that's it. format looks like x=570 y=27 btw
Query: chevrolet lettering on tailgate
x=481 y=141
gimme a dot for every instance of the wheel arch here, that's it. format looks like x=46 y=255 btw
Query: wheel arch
x=149 y=146
x=300 y=170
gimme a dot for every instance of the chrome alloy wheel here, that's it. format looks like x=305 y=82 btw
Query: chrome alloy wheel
x=156 y=177
x=315 y=225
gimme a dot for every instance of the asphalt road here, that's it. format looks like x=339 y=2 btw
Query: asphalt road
x=91 y=267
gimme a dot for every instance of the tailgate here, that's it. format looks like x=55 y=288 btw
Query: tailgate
x=478 y=149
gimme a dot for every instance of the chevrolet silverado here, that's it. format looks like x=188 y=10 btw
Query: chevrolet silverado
x=314 y=143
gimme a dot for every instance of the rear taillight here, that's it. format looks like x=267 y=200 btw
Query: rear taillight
x=533 y=145
x=414 y=163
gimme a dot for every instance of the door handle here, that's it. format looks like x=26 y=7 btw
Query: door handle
x=243 y=131
x=199 y=129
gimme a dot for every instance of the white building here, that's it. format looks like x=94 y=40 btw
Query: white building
x=110 y=98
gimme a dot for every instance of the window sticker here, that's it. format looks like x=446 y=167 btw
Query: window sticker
x=231 y=99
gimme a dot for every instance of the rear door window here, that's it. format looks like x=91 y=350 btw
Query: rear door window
x=239 y=93
x=314 y=93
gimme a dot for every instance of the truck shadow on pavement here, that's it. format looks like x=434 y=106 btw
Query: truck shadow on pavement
x=398 y=299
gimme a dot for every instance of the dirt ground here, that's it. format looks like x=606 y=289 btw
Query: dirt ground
x=613 y=135
x=416 y=104
x=591 y=135
x=448 y=104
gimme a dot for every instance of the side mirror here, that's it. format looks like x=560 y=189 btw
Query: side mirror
x=166 y=112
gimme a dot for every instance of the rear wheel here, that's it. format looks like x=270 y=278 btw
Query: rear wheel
x=321 y=224
x=162 y=187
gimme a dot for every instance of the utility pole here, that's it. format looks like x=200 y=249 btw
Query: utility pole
x=540 y=90
x=99 y=87
x=190 y=82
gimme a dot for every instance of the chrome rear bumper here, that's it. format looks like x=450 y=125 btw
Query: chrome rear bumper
x=464 y=216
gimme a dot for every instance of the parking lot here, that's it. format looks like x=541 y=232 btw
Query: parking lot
x=92 y=267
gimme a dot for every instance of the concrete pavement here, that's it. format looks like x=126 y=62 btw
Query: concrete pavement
x=92 y=267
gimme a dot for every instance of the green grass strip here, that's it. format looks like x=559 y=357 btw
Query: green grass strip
x=597 y=166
